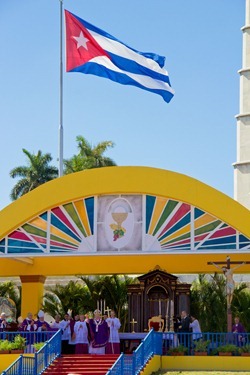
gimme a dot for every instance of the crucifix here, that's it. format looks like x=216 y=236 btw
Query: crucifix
x=133 y=322
x=230 y=284
x=108 y=311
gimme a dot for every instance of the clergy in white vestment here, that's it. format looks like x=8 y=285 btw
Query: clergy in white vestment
x=56 y=324
x=81 y=336
x=114 y=325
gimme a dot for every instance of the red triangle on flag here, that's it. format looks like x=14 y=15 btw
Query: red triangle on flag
x=80 y=45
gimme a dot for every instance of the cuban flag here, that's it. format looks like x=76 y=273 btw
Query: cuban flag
x=91 y=50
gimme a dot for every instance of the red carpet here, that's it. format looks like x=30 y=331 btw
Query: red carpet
x=85 y=364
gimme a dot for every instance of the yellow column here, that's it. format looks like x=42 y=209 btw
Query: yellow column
x=32 y=294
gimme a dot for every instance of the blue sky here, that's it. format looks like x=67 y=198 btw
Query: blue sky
x=195 y=134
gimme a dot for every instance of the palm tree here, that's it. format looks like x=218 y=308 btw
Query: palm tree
x=89 y=156
x=37 y=172
x=208 y=302
x=74 y=296
x=94 y=286
x=112 y=289
x=115 y=292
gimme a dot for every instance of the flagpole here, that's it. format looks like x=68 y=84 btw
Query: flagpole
x=60 y=153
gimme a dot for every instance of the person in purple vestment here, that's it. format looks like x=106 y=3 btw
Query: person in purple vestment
x=239 y=331
x=72 y=343
x=42 y=326
x=28 y=325
x=99 y=332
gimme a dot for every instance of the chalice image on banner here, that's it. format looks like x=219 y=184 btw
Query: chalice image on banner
x=119 y=211
x=119 y=217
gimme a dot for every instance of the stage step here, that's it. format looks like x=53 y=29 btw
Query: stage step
x=85 y=364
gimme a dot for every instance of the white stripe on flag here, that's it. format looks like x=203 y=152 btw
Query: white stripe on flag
x=146 y=81
x=123 y=51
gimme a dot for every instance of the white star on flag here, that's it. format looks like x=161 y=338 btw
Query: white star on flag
x=81 y=40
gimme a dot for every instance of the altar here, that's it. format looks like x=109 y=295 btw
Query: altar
x=158 y=294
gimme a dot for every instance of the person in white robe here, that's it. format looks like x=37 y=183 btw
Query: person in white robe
x=81 y=336
x=114 y=325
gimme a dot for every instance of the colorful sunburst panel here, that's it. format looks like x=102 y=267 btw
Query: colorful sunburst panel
x=170 y=225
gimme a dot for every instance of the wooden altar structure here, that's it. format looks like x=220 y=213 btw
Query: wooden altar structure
x=157 y=293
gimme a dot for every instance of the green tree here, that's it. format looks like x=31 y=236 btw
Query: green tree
x=115 y=292
x=112 y=289
x=208 y=302
x=37 y=172
x=89 y=156
x=94 y=285
x=83 y=297
x=241 y=304
x=73 y=296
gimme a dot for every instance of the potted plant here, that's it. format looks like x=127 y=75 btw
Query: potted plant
x=38 y=345
x=245 y=350
x=201 y=347
x=5 y=347
x=227 y=349
x=178 y=350
x=18 y=345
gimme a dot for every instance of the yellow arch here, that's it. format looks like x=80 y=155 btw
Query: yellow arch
x=113 y=180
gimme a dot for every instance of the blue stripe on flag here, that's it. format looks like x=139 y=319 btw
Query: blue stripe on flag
x=133 y=67
x=122 y=78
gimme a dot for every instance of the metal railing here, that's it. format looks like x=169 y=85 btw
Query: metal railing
x=30 y=337
x=132 y=364
x=48 y=353
x=214 y=340
x=155 y=343
x=23 y=365
x=42 y=359
x=158 y=343
x=151 y=345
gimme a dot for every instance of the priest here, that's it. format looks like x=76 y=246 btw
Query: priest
x=29 y=326
x=99 y=333
x=42 y=325
x=28 y=323
x=81 y=336
x=114 y=325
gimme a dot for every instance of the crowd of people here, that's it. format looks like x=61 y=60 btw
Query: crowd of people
x=100 y=334
x=80 y=335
